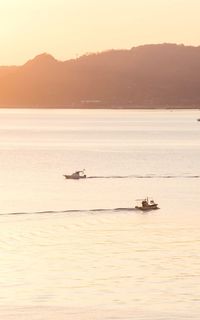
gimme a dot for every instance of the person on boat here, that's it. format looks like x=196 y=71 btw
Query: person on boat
x=78 y=173
x=144 y=203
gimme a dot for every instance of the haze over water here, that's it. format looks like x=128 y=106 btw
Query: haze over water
x=78 y=249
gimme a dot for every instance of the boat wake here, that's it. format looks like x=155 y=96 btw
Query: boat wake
x=148 y=176
x=87 y=211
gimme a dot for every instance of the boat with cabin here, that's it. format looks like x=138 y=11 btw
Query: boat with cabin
x=76 y=175
x=147 y=204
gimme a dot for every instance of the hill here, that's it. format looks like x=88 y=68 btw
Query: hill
x=152 y=76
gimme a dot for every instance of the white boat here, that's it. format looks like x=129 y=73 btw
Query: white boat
x=147 y=205
x=76 y=175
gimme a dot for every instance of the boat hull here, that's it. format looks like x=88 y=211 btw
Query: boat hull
x=147 y=208
x=73 y=177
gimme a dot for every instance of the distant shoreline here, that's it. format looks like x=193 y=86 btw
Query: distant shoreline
x=161 y=76
x=103 y=108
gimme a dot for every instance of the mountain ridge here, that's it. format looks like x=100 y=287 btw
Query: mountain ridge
x=151 y=76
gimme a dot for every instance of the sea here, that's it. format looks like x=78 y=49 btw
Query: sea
x=78 y=249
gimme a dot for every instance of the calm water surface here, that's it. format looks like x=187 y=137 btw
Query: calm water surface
x=77 y=249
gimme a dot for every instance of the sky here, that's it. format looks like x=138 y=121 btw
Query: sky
x=70 y=28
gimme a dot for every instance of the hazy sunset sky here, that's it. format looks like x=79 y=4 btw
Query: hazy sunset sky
x=69 y=28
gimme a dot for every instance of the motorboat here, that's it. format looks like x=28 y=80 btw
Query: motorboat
x=147 y=204
x=76 y=175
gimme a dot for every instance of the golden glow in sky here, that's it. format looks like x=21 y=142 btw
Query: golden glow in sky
x=69 y=28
